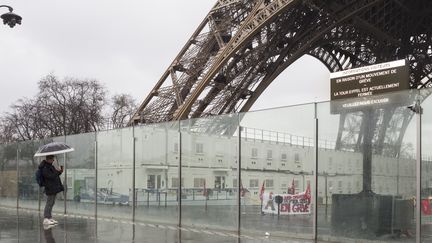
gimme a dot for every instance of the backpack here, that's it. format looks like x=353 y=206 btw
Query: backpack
x=39 y=177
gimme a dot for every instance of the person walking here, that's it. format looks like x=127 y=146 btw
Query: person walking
x=52 y=184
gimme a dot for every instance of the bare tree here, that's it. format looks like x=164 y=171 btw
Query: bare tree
x=123 y=106
x=60 y=108
x=72 y=106
x=7 y=131
x=24 y=123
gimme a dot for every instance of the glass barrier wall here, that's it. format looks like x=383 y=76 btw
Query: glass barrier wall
x=367 y=175
x=209 y=149
x=277 y=171
x=115 y=173
x=8 y=175
x=157 y=159
x=366 y=171
x=29 y=190
x=339 y=171
x=9 y=188
x=80 y=172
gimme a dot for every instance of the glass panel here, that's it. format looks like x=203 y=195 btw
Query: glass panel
x=114 y=173
x=367 y=169
x=277 y=161
x=156 y=176
x=8 y=175
x=28 y=164
x=81 y=174
x=426 y=185
x=209 y=172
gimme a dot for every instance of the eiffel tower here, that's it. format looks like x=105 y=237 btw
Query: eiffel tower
x=241 y=46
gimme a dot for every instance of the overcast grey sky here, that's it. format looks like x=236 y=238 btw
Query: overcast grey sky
x=127 y=45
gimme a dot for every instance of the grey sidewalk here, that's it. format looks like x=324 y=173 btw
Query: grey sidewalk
x=26 y=226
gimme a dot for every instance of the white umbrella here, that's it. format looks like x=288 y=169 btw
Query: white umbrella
x=52 y=149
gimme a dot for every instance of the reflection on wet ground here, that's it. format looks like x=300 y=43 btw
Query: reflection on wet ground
x=26 y=226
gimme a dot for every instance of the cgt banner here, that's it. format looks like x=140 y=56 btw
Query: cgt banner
x=291 y=203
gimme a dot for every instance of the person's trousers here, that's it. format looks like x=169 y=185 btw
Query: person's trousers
x=49 y=206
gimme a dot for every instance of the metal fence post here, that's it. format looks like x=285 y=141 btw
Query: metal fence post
x=180 y=177
x=418 y=111
x=133 y=174
x=96 y=181
x=17 y=176
x=65 y=180
x=315 y=198
x=239 y=182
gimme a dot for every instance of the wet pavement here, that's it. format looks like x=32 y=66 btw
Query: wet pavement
x=26 y=226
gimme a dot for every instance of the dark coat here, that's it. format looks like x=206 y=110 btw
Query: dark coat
x=51 y=176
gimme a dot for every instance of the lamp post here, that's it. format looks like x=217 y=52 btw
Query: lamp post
x=10 y=18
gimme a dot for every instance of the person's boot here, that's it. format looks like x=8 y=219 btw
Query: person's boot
x=47 y=221
x=54 y=221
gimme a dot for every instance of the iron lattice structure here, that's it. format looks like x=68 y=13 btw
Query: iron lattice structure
x=243 y=45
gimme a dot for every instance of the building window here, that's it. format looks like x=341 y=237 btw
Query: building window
x=175 y=182
x=253 y=183
x=340 y=166
x=349 y=165
x=330 y=164
x=176 y=147
x=330 y=186
x=269 y=154
x=297 y=157
x=151 y=180
x=296 y=185
x=199 y=148
x=69 y=182
x=199 y=182
x=254 y=153
x=269 y=183
x=283 y=156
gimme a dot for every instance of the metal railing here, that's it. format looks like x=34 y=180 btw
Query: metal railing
x=261 y=135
